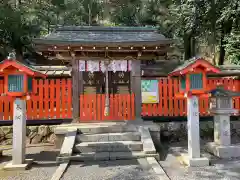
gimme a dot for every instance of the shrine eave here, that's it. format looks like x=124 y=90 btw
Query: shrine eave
x=41 y=42
x=20 y=66
x=103 y=37
x=191 y=64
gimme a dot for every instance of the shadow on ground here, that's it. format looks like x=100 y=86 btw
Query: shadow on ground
x=111 y=170
x=41 y=155
x=219 y=169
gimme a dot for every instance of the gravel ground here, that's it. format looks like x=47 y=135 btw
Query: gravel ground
x=218 y=170
x=110 y=170
x=43 y=168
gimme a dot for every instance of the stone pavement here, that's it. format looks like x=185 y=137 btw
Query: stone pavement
x=42 y=169
x=219 y=169
x=45 y=166
x=111 y=170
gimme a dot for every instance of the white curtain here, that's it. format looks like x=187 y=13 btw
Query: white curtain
x=115 y=65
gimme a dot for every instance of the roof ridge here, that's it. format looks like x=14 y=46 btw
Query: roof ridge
x=107 y=28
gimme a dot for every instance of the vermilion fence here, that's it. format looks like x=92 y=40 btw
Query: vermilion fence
x=121 y=107
x=170 y=105
x=52 y=99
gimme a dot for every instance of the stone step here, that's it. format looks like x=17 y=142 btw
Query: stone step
x=125 y=136
x=110 y=146
x=107 y=129
x=104 y=156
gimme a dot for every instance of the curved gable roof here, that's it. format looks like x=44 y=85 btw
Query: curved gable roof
x=105 y=35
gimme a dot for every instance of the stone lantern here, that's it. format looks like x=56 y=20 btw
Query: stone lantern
x=221 y=106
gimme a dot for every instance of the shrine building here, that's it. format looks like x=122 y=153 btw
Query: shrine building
x=101 y=60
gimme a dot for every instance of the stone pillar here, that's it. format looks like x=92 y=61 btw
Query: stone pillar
x=193 y=158
x=136 y=87
x=19 y=137
x=19 y=132
x=193 y=127
x=222 y=134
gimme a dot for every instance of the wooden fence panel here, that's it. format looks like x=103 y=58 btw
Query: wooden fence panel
x=51 y=99
x=6 y=108
x=121 y=107
x=170 y=105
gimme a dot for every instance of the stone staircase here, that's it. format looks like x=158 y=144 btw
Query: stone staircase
x=106 y=142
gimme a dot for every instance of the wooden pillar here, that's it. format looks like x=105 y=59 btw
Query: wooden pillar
x=136 y=87
x=75 y=88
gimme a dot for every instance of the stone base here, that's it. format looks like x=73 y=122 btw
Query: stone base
x=18 y=167
x=194 y=162
x=223 y=151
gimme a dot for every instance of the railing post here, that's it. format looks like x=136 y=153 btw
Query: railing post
x=136 y=88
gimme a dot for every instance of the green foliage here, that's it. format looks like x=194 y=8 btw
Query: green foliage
x=233 y=47
x=191 y=23
x=16 y=27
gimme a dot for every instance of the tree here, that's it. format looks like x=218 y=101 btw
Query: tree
x=233 y=47
x=187 y=23
x=85 y=12
x=16 y=29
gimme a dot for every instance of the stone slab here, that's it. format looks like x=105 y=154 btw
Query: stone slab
x=157 y=168
x=18 y=167
x=59 y=141
x=223 y=151
x=105 y=156
x=109 y=146
x=68 y=143
x=130 y=155
x=152 y=126
x=92 y=137
x=126 y=136
x=94 y=128
x=60 y=170
x=194 y=162
x=148 y=145
x=99 y=156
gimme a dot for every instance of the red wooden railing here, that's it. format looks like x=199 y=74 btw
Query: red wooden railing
x=51 y=99
x=121 y=107
x=170 y=105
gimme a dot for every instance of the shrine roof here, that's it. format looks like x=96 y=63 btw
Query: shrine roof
x=163 y=67
x=193 y=63
x=86 y=35
x=21 y=66
x=220 y=91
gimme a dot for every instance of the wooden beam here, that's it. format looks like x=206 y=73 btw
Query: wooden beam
x=102 y=48
x=102 y=58
x=136 y=87
x=75 y=88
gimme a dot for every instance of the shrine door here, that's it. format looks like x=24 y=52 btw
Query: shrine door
x=92 y=101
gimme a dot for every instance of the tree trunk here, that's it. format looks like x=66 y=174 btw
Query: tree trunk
x=213 y=29
x=187 y=47
x=222 y=49
x=193 y=46
x=226 y=29
x=19 y=54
